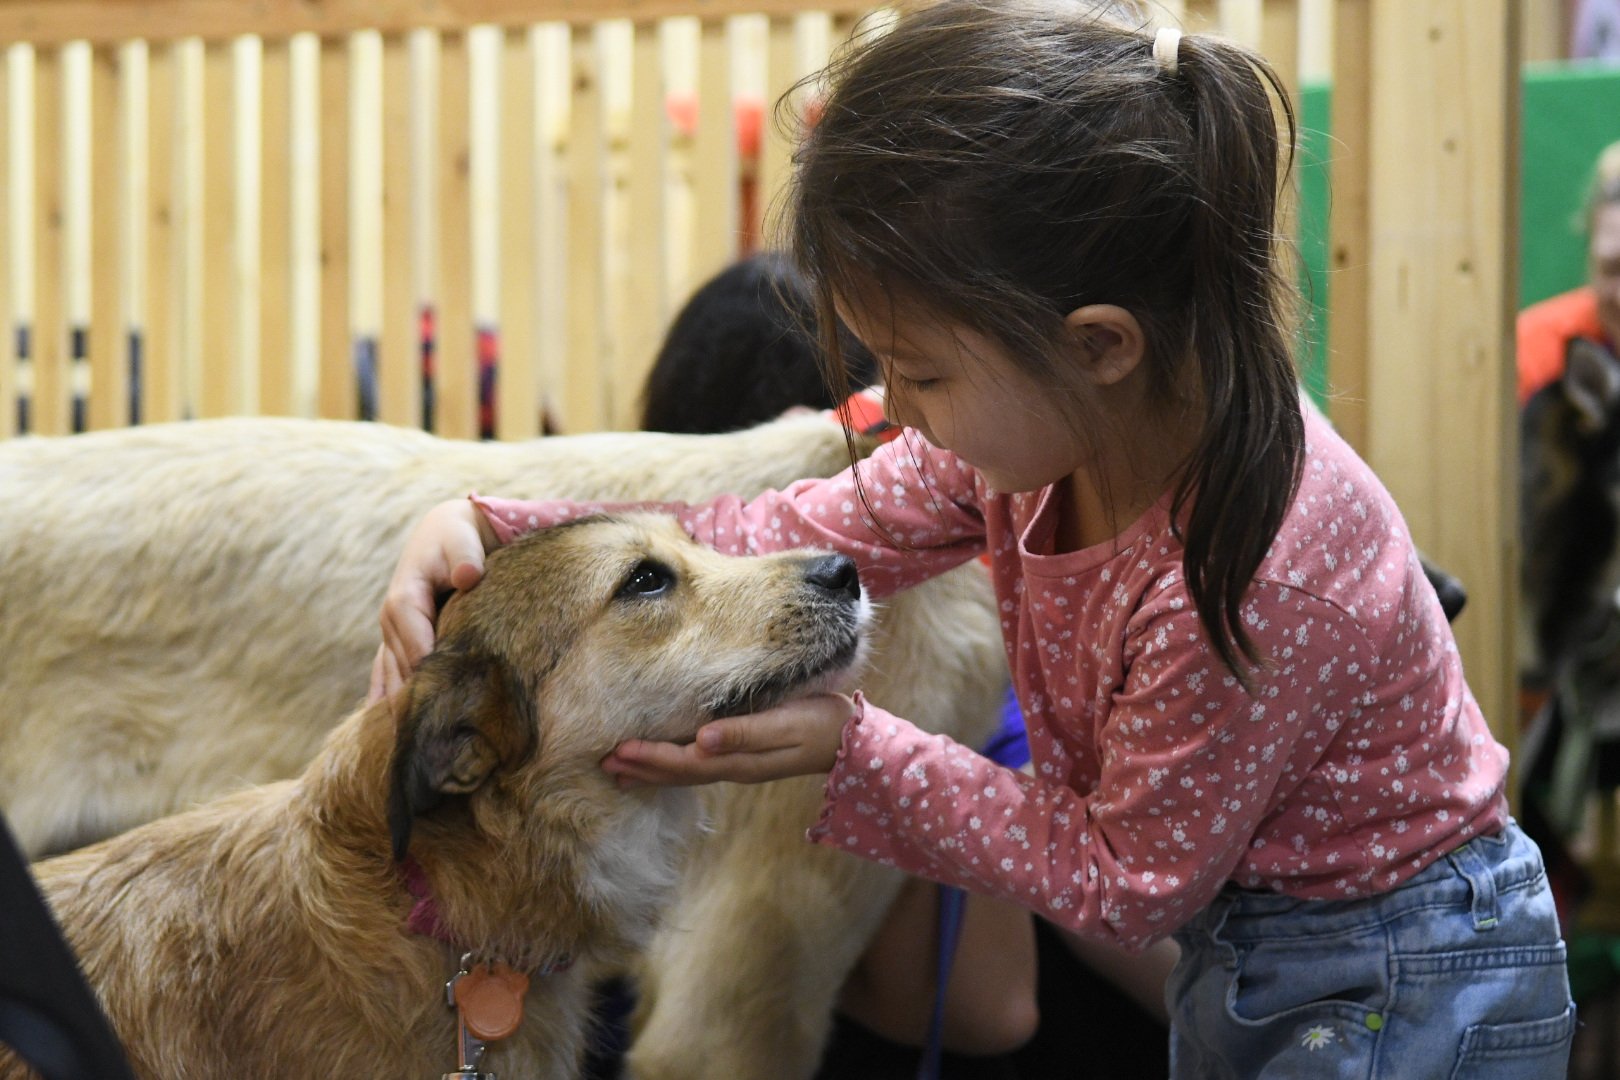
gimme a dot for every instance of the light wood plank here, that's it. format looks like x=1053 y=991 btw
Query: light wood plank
x=649 y=300
x=399 y=363
x=517 y=406
x=455 y=376
x=338 y=397
x=1349 y=281
x=553 y=73
x=365 y=204
x=221 y=373
x=59 y=21
x=1279 y=42
x=160 y=356
x=275 y=236
x=1444 y=211
x=49 y=410
x=715 y=218
x=1546 y=30
x=108 y=343
x=799 y=46
x=186 y=208
x=584 y=403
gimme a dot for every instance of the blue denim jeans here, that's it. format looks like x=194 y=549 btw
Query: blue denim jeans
x=1456 y=975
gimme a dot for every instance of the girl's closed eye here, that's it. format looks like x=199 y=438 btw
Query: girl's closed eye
x=912 y=384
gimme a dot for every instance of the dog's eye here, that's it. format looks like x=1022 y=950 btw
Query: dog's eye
x=648 y=578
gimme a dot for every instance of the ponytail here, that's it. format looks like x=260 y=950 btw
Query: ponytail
x=1247 y=466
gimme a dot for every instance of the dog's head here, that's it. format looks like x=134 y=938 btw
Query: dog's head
x=606 y=629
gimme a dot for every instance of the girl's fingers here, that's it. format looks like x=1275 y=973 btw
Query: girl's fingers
x=672 y=765
x=393 y=674
x=378 y=688
x=469 y=570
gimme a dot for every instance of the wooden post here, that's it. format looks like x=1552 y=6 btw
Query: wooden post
x=1443 y=200
x=109 y=374
x=160 y=356
x=455 y=391
x=399 y=350
x=48 y=334
x=715 y=219
x=275 y=232
x=517 y=410
x=337 y=381
x=585 y=406
x=1349 y=240
x=220 y=375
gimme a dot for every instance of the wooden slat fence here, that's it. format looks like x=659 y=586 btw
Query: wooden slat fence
x=212 y=207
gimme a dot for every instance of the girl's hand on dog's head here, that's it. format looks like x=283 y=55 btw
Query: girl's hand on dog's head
x=444 y=551
x=799 y=738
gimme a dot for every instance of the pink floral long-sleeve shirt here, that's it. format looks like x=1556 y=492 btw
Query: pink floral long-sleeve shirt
x=1357 y=757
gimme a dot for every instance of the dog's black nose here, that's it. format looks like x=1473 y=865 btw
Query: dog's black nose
x=835 y=574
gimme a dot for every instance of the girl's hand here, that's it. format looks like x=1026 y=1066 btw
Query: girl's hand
x=798 y=738
x=445 y=551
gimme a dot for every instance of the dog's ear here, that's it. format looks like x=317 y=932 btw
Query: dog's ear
x=465 y=715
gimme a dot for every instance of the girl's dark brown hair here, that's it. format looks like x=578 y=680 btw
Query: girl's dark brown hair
x=1010 y=161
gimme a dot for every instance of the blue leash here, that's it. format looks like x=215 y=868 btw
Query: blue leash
x=951 y=900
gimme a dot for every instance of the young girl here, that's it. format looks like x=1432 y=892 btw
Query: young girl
x=1247 y=714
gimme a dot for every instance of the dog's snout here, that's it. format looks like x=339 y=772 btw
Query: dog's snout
x=835 y=574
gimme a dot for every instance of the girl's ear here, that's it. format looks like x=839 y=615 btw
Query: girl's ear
x=1110 y=341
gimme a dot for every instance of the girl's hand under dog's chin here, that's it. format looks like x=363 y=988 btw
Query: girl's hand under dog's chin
x=797 y=738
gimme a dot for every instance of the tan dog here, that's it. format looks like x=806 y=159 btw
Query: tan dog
x=262 y=935
x=185 y=608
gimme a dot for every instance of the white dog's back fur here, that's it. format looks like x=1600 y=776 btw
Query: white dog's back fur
x=185 y=608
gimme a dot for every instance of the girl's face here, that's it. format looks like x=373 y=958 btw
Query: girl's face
x=965 y=394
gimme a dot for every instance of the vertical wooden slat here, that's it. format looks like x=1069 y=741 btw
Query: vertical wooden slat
x=1279 y=42
x=716 y=233
x=647 y=293
x=365 y=203
x=8 y=334
x=1349 y=281
x=1444 y=210
x=160 y=358
x=186 y=208
x=220 y=374
x=109 y=372
x=337 y=385
x=1242 y=21
x=553 y=71
x=48 y=407
x=132 y=200
x=584 y=409
x=798 y=47
x=517 y=409
x=399 y=369
x=247 y=152
x=305 y=183
x=1546 y=30
x=455 y=382
x=275 y=232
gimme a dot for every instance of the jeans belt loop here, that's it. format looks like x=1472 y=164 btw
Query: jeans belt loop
x=1481 y=884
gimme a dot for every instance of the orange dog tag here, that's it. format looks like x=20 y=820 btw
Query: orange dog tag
x=490 y=1000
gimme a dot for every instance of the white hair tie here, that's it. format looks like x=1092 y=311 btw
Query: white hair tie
x=1167 y=48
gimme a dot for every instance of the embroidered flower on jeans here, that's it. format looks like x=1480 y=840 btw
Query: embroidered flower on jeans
x=1317 y=1037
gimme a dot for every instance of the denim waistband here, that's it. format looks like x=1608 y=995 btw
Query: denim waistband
x=1475 y=876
